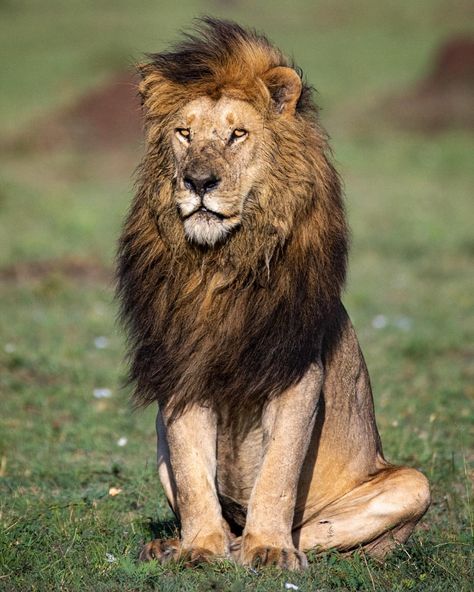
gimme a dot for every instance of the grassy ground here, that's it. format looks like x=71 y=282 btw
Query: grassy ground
x=409 y=198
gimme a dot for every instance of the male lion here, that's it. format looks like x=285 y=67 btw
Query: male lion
x=230 y=270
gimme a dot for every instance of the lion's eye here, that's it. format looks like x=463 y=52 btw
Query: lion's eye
x=238 y=134
x=183 y=133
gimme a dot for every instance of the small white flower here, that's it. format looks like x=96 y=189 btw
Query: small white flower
x=395 y=423
x=379 y=322
x=102 y=393
x=110 y=558
x=290 y=586
x=9 y=348
x=122 y=441
x=101 y=342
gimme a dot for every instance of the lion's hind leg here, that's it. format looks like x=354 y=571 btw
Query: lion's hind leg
x=163 y=550
x=167 y=550
x=377 y=515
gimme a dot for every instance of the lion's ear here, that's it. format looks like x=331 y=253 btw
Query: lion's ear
x=284 y=86
x=144 y=70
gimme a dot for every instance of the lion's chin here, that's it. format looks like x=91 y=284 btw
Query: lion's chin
x=208 y=229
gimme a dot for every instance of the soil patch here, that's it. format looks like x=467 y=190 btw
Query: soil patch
x=108 y=117
x=444 y=99
x=73 y=268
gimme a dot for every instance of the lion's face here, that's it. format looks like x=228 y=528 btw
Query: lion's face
x=216 y=146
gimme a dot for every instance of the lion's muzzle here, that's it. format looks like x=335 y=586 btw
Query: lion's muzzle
x=207 y=216
x=200 y=184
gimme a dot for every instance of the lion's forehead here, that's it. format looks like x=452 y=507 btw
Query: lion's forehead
x=218 y=116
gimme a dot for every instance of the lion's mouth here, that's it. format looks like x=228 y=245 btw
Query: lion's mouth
x=207 y=227
x=205 y=214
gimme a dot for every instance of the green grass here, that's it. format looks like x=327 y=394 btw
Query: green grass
x=410 y=207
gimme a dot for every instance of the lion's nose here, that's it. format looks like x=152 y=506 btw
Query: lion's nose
x=200 y=184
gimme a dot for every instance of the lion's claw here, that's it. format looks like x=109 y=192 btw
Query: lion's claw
x=164 y=551
x=161 y=550
x=197 y=556
x=284 y=558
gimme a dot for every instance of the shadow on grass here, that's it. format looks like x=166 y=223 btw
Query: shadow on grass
x=163 y=529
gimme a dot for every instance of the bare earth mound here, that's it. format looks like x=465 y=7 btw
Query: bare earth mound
x=445 y=98
x=108 y=117
x=73 y=268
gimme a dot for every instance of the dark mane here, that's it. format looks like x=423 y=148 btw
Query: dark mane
x=233 y=325
x=223 y=51
x=199 y=54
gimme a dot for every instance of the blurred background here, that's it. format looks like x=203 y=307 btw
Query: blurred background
x=395 y=82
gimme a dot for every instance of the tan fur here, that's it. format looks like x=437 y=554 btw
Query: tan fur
x=231 y=266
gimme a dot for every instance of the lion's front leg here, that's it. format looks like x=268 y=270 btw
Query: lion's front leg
x=191 y=445
x=287 y=423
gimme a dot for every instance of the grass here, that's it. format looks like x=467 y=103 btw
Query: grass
x=410 y=207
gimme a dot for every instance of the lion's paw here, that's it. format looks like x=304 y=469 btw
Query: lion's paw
x=168 y=550
x=284 y=558
x=198 y=555
x=161 y=550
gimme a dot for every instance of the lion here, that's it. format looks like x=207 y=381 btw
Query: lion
x=231 y=265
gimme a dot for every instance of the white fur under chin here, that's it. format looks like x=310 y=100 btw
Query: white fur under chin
x=206 y=231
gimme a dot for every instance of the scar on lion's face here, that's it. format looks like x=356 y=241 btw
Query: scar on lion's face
x=216 y=145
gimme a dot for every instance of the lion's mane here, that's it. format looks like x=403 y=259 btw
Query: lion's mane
x=236 y=324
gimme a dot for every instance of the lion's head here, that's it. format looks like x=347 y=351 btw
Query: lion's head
x=218 y=122
x=234 y=250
